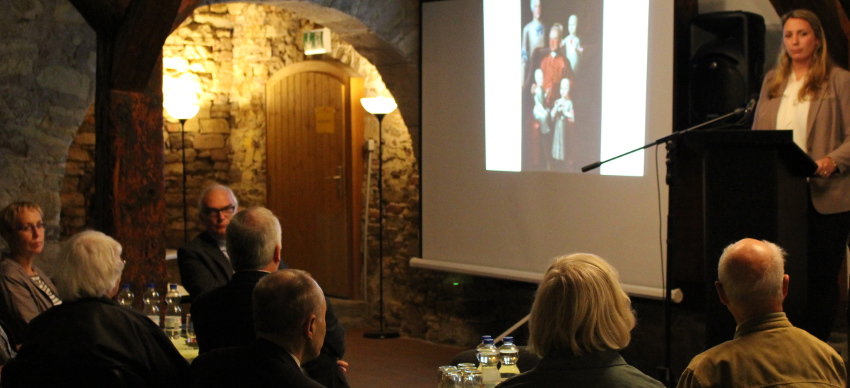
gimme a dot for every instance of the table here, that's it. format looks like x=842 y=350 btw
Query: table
x=188 y=352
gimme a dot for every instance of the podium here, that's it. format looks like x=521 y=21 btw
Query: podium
x=725 y=186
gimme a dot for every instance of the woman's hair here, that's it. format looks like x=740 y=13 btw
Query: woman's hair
x=10 y=213
x=89 y=265
x=819 y=68
x=580 y=307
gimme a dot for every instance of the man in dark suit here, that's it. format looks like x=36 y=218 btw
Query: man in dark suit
x=203 y=262
x=289 y=310
x=223 y=316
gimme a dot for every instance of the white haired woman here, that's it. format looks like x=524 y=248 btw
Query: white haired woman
x=579 y=319
x=91 y=337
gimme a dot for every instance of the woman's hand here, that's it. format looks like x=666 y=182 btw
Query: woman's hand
x=826 y=167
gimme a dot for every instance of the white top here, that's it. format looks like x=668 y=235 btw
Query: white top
x=793 y=113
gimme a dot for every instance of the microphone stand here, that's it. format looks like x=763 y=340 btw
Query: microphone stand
x=664 y=139
x=666 y=377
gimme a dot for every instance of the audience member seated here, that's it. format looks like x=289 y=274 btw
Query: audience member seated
x=289 y=310
x=767 y=351
x=223 y=316
x=25 y=290
x=90 y=340
x=203 y=262
x=579 y=319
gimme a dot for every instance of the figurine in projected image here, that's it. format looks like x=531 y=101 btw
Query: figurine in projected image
x=564 y=134
x=533 y=35
x=554 y=65
x=541 y=114
x=572 y=43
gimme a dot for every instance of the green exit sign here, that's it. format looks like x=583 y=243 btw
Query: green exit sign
x=317 y=41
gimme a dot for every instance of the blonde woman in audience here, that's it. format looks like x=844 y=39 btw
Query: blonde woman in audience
x=91 y=340
x=25 y=290
x=579 y=320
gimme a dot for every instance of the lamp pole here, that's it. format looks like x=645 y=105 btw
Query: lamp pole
x=380 y=106
x=182 y=108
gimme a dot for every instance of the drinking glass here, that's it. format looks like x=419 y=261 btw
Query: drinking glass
x=191 y=337
x=452 y=379
x=473 y=379
x=443 y=370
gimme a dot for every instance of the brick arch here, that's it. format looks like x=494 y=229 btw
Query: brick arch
x=386 y=33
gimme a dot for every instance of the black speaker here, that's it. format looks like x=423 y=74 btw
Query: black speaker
x=727 y=61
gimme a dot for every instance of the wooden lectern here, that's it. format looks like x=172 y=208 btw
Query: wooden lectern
x=725 y=186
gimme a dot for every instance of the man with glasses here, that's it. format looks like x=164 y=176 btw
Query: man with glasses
x=203 y=262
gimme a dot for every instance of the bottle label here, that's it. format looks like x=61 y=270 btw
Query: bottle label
x=172 y=322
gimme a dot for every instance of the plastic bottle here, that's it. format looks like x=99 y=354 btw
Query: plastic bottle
x=508 y=355
x=125 y=296
x=151 y=300
x=480 y=346
x=488 y=361
x=173 y=313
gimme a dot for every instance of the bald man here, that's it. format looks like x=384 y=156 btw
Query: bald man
x=289 y=318
x=767 y=350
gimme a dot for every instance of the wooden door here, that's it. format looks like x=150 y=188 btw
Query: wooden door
x=312 y=160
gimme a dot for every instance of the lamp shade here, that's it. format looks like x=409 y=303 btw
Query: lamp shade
x=378 y=105
x=180 y=109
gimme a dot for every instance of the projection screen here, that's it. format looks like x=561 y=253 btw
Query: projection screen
x=508 y=121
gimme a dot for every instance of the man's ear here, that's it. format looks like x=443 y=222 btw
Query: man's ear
x=785 y=280
x=310 y=326
x=721 y=292
x=276 y=258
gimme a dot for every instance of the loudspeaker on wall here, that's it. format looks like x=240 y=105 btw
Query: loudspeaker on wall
x=727 y=63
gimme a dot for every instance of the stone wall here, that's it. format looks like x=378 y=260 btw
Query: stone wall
x=46 y=85
x=231 y=50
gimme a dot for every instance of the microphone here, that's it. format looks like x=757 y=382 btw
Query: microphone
x=749 y=108
x=751 y=105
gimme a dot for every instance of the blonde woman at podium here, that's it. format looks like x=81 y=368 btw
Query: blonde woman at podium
x=808 y=94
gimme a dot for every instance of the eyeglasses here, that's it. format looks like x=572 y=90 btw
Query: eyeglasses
x=226 y=211
x=29 y=228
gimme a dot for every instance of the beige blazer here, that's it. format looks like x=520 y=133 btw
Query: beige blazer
x=827 y=134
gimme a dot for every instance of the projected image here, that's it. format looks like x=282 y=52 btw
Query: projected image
x=561 y=82
x=550 y=124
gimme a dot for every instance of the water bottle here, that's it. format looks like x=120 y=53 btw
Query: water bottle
x=125 y=296
x=480 y=346
x=488 y=361
x=508 y=355
x=173 y=314
x=151 y=300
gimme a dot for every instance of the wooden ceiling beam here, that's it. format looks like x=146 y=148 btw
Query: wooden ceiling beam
x=104 y=16
x=135 y=31
x=830 y=13
x=138 y=42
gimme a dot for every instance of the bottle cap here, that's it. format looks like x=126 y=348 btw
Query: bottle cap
x=126 y=286
x=172 y=286
x=151 y=285
x=509 y=339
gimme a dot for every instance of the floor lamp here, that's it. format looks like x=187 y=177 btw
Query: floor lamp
x=380 y=106
x=182 y=109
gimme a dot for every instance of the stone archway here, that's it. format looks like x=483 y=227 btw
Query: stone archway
x=384 y=32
